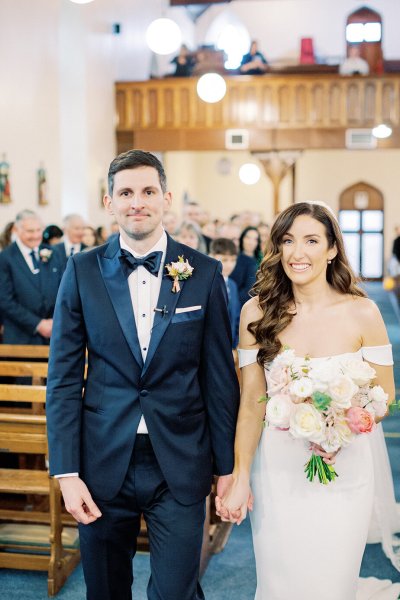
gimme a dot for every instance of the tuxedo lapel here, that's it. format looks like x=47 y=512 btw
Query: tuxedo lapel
x=167 y=302
x=20 y=262
x=118 y=290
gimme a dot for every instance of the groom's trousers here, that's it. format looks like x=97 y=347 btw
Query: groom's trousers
x=175 y=536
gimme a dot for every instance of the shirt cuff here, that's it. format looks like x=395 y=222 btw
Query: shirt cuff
x=66 y=475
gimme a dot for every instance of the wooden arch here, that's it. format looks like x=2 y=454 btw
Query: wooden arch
x=361 y=196
x=370 y=51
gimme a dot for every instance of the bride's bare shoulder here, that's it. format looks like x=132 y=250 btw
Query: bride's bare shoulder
x=363 y=309
x=251 y=311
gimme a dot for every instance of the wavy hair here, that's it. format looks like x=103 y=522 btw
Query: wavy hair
x=274 y=288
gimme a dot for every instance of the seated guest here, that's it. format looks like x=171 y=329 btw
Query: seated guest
x=263 y=230
x=29 y=278
x=230 y=231
x=101 y=235
x=89 y=238
x=6 y=236
x=244 y=274
x=225 y=251
x=52 y=234
x=74 y=227
x=184 y=62
x=190 y=234
x=170 y=222
x=354 y=64
x=250 y=243
x=254 y=62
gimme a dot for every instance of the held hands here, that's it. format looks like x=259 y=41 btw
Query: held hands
x=233 y=498
x=78 y=501
x=328 y=457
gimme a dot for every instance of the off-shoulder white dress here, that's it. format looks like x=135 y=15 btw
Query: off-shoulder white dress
x=309 y=538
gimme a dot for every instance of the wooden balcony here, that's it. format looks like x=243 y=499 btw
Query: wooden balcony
x=280 y=112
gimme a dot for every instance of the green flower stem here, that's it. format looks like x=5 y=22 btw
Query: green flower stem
x=317 y=466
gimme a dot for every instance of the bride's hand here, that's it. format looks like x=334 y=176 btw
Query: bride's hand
x=328 y=457
x=236 y=500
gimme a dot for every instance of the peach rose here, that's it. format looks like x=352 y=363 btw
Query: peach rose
x=360 y=420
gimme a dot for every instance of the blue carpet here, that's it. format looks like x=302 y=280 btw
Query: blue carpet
x=231 y=574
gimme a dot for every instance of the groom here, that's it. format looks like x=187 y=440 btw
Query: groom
x=155 y=418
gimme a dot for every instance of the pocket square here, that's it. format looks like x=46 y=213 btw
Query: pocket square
x=187 y=309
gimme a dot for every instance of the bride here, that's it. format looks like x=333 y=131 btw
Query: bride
x=308 y=538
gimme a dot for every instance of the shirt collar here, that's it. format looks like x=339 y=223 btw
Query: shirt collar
x=25 y=250
x=160 y=246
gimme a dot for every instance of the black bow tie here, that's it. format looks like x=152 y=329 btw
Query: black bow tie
x=151 y=262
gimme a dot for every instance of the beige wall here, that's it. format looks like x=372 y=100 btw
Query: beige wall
x=320 y=175
x=324 y=175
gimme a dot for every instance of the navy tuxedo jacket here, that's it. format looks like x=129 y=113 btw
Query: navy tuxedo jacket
x=26 y=298
x=187 y=389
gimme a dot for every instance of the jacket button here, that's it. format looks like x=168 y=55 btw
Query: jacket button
x=144 y=392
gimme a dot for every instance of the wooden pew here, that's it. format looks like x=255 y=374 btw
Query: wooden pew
x=12 y=351
x=26 y=433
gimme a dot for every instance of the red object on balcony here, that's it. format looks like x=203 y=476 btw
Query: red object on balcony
x=307 y=51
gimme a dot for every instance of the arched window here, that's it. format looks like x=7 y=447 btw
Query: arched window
x=361 y=221
x=364 y=28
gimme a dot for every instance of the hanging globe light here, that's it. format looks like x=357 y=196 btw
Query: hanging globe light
x=81 y=1
x=163 y=36
x=211 y=87
x=382 y=131
x=249 y=173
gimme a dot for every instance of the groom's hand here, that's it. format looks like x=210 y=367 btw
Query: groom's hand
x=78 y=500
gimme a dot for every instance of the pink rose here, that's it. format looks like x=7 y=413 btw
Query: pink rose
x=360 y=420
x=277 y=379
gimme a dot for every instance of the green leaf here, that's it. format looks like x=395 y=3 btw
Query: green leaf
x=263 y=399
x=321 y=401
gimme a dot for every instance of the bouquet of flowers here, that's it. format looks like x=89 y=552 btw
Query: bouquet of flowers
x=324 y=402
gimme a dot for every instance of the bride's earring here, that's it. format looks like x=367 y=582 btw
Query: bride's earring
x=329 y=262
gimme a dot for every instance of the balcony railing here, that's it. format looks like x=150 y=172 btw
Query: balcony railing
x=292 y=111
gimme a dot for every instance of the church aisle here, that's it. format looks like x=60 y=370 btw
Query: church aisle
x=231 y=574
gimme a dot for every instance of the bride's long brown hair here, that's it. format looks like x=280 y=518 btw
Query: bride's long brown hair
x=274 y=288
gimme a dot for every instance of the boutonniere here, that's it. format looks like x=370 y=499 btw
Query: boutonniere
x=179 y=271
x=45 y=254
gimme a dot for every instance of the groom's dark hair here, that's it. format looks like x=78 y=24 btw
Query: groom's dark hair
x=133 y=159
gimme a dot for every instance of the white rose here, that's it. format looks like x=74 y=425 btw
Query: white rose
x=337 y=436
x=285 y=358
x=306 y=422
x=378 y=399
x=302 y=388
x=322 y=374
x=341 y=390
x=180 y=267
x=360 y=371
x=278 y=411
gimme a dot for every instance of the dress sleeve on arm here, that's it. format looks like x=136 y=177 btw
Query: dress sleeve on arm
x=379 y=355
x=247 y=357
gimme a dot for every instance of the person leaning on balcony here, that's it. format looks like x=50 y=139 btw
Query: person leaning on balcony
x=254 y=62
x=184 y=62
x=354 y=64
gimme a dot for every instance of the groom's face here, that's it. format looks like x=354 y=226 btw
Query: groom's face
x=138 y=202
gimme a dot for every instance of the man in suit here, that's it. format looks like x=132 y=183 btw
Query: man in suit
x=29 y=280
x=157 y=416
x=74 y=229
x=225 y=251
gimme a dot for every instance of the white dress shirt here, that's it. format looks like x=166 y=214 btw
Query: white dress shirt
x=69 y=245
x=144 y=289
x=26 y=253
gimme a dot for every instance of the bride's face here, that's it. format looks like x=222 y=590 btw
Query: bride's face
x=305 y=251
